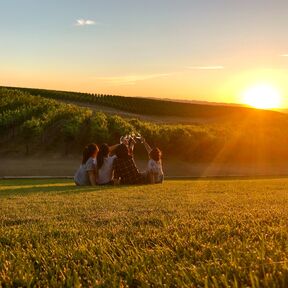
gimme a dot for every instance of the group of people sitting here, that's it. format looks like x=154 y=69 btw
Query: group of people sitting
x=109 y=165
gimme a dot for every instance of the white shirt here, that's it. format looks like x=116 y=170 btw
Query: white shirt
x=155 y=167
x=81 y=177
x=105 y=173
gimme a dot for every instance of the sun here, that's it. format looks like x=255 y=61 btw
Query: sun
x=262 y=96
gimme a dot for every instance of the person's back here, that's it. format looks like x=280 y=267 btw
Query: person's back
x=105 y=173
x=155 y=171
x=126 y=171
x=81 y=177
x=125 y=168
x=154 y=168
x=105 y=165
x=86 y=174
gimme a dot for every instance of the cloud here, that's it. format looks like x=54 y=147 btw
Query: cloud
x=129 y=79
x=85 y=22
x=284 y=55
x=217 y=67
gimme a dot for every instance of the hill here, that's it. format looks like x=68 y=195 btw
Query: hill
x=39 y=122
x=149 y=106
x=36 y=125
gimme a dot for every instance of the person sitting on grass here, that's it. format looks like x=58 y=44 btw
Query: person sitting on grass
x=86 y=174
x=124 y=167
x=105 y=164
x=154 y=170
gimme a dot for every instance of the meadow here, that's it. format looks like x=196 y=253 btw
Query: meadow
x=192 y=233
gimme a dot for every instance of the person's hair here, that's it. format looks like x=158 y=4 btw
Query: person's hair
x=88 y=151
x=103 y=152
x=122 y=151
x=155 y=154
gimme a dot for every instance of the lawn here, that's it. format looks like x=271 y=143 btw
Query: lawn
x=200 y=233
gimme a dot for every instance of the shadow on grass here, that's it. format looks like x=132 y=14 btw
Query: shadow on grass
x=29 y=182
x=54 y=189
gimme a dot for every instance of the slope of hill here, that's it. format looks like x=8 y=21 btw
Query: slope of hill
x=35 y=125
x=39 y=122
x=149 y=106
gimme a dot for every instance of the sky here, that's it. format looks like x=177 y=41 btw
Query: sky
x=207 y=50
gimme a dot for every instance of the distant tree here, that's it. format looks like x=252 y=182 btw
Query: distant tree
x=30 y=130
x=99 y=128
x=71 y=126
x=118 y=127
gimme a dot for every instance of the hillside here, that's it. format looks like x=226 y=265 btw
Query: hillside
x=39 y=123
x=37 y=126
x=140 y=106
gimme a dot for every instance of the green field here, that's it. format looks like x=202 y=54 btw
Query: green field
x=200 y=233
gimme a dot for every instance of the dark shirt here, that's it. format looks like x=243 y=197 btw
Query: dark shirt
x=127 y=172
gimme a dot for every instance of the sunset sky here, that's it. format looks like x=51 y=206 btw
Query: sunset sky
x=209 y=50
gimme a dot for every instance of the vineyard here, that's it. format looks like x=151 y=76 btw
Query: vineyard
x=35 y=119
x=38 y=123
x=146 y=106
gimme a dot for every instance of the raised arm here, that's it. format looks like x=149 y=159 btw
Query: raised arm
x=131 y=145
x=147 y=146
x=113 y=148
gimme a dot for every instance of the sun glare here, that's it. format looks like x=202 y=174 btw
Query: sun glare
x=262 y=97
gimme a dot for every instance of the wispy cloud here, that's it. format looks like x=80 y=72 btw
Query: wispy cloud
x=84 y=22
x=217 y=67
x=284 y=55
x=129 y=79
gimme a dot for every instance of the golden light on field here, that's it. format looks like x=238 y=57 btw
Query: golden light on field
x=262 y=96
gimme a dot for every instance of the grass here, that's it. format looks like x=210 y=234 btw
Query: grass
x=204 y=233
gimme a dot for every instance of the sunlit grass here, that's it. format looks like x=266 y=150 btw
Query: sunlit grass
x=181 y=233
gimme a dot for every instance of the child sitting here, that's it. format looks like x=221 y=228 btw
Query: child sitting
x=86 y=174
x=155 y=170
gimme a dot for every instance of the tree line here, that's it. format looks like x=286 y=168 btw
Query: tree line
x=146 y=106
